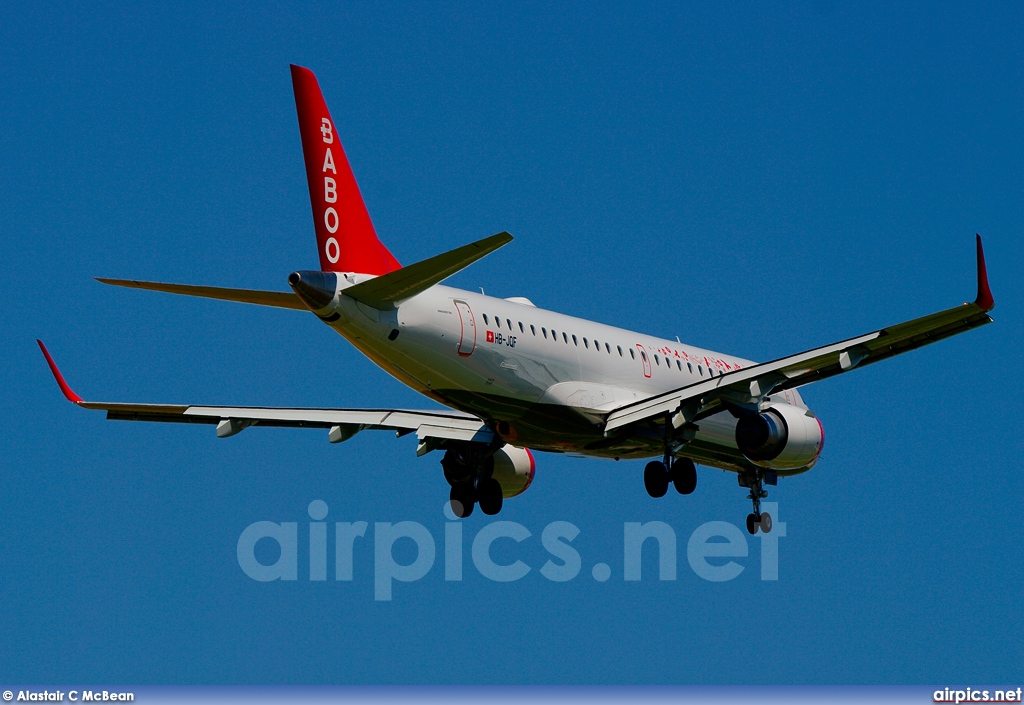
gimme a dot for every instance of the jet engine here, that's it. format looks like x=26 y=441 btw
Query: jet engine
x=513 y=469
x=783 y=437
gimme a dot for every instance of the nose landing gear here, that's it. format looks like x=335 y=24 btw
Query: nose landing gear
x=756 y=481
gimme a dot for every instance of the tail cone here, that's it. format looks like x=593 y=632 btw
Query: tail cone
x=316 y=289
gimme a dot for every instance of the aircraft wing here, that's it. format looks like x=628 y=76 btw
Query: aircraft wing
x=432 y=428
x=744 y=388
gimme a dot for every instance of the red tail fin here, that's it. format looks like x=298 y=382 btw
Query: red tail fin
x=344 y=233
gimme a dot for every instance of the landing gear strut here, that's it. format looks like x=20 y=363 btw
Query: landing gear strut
x=757 y=519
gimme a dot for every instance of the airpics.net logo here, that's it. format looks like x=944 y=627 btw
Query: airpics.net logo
x=713 y=550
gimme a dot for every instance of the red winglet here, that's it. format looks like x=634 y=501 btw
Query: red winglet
x=71 y=396
x=984 y=300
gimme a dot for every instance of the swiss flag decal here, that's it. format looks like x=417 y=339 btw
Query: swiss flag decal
x=490 y=336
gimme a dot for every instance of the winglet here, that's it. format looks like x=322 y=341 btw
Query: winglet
x=984 y=300
x=71 y=396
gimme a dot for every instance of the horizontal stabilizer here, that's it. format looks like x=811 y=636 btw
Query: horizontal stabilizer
x=385 y=291
x=280 y=299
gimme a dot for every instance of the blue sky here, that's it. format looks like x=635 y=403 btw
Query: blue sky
x=757 y=179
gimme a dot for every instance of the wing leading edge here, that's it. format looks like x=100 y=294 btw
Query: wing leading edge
x=746 y=387
x=430 y=427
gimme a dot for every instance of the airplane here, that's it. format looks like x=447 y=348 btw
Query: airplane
x=517 y=378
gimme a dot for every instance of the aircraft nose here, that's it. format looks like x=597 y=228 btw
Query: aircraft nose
x=315 y=288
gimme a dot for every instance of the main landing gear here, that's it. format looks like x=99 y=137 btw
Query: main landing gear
x=681 y=472
x=468 y=471
x=480 y=490
x=756 y=481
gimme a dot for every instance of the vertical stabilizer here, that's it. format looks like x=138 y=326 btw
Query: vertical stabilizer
x=345 y=236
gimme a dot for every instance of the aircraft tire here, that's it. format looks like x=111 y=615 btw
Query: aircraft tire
x=461 y=499
x=684 y=476
x=490 y=496
x=656 y=478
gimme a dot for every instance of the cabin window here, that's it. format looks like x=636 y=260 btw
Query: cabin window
x=643 y=354
x=701 y=370
x=565 y=337
x=632 y=353
x=509 y=321
x=497 y=321
x=608 y=347
x=679 y=364
x=619 y=348
x=597 y=345
x=545 y=332
x=486 y=322
x=689 y=367
x=533 y=330
x=657 y=360
x=521 y=329
x=575 y=342
x=586 y=344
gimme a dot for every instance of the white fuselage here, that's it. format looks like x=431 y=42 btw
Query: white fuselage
x=545 y=379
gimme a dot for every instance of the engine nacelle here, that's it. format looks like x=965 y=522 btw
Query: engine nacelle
x=783 y=437
x=513 y=469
